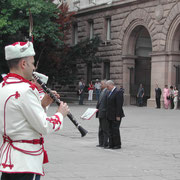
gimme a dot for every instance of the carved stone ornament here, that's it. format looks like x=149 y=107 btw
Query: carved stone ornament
x=159 y=12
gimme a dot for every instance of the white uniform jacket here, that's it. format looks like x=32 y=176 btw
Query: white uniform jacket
x=22 y=124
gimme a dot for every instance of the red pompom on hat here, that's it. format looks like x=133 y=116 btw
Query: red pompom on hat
x=19 y=50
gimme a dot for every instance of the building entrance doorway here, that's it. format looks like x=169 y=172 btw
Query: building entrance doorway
x=141 y=73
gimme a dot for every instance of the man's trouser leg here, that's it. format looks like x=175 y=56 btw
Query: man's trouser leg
x=19 y=176
x=116 y=133
x=100 y=133
x=105 y=128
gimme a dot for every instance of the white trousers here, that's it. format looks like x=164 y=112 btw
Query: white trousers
x=90 y=97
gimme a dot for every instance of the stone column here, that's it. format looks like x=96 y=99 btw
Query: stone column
x=128 y=63
x=174 y=61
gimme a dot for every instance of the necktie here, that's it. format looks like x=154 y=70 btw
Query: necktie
x=110 y=94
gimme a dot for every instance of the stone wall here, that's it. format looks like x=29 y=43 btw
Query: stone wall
x=160 y=18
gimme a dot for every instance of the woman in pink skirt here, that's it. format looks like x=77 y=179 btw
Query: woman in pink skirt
x=166 y=97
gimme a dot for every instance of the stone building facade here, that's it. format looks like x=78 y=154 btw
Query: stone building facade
x=141 y=43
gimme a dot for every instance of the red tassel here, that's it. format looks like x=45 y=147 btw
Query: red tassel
x=45 y=157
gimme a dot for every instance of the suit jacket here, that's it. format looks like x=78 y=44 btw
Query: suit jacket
x=114 y=105
x=102 y=104
x=158 y=92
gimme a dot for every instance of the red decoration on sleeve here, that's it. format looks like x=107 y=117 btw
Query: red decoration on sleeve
x=54 y=120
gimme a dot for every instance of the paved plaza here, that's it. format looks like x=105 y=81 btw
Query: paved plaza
x=150 y=148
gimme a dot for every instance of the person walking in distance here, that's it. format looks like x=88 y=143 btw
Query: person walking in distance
x=103 y=133
x=115 y=114
x=158 y=96
x=24 y=120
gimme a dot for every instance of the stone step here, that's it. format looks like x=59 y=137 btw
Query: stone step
x=72 y=97
x=76 y=101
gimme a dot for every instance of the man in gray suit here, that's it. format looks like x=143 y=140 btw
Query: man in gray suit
x=115 y=114
x=103 y=133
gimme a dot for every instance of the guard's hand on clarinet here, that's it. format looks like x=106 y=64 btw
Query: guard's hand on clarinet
x=47 y=100
x=63 y=109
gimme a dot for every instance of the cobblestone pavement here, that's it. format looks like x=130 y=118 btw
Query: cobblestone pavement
x=150 y=148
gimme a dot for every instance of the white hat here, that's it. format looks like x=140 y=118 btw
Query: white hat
x=19 y=50
x=3 y=75
x=42 y=77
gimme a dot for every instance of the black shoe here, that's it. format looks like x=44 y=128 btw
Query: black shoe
x=107 y=147
x=116 y=147
x=99 y=145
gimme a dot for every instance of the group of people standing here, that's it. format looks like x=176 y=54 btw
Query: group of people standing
x=110 y=113
x=91 y=88
x=170 y=97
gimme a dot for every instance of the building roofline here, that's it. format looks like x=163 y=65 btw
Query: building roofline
x=107 y=5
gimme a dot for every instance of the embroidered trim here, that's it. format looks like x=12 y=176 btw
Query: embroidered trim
x=19 y=172
x=10 y=75
x=17 y=95
x=54 y=120
x=10 y=145
x=6 y=139
x=41 y=91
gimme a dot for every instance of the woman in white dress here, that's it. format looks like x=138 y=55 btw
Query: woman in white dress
x=175 y=97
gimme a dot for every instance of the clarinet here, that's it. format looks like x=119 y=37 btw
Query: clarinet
x=58 y=102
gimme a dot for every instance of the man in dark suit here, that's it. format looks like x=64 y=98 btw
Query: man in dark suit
x=114 y=114
x=158 y=96
x=103 y=133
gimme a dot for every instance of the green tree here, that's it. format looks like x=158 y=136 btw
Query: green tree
x=14 y=25
x=67 y=59
x=51 y=24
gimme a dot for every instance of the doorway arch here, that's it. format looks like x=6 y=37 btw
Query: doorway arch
x=173 y=49
x=137 y=62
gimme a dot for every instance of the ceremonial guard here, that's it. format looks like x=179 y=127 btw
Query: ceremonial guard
x=23 y=120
